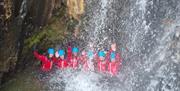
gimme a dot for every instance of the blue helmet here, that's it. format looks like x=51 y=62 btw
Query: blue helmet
x=101 y=54
x=61 y=52
x=50 y=51
x=75 y=50
x=90 y=54
x=113 y=55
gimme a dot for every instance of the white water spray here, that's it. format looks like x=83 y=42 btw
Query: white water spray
x=146 y=65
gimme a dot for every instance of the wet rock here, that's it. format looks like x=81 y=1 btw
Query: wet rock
x=1 y=74
x=6 y=13
x=24 y=19
x=75 y=8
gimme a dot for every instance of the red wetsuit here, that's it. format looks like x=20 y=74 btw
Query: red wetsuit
x=86 y=66
x=73 y=61
x=83 y=62
x=62 y=63
x=86 y=62
x=83 y=59
x=101 y=66
x=46 y=63
x=69 y=53
x=113 y=67
x=55 y=60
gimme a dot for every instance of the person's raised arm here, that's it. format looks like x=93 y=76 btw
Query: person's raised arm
x=39 y=56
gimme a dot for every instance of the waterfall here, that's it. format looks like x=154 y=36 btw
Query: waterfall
x=98 y=21
x=22 y=11
x=147 y=28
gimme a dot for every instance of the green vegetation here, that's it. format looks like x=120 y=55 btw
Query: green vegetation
x=54 y=32
x=51 y=33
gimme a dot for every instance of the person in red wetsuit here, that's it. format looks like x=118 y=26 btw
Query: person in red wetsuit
x=73 y=58
x=83 y=60
x=69 y=54
x=62 y=62
x=101 y=62
x=56 y=58
x=115 y=60
x=46 y=61
x=86 y=60
x=113 y=64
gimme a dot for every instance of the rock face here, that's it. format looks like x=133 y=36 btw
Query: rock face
x=20 y=19
x=6 y=12
x=75 y=8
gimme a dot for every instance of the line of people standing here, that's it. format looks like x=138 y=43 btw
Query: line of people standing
x=101 y=61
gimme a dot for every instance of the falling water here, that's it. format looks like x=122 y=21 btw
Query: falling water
x=148 y=29
x=23 y=9
x=99 y=19
x=22 y=12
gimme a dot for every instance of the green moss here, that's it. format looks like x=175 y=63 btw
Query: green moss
x=53 y=32
x=58 y=28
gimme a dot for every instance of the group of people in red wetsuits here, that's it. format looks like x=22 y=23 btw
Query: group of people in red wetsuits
x=101 y=61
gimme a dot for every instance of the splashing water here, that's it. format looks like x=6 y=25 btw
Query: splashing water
x=23 y=9
x=22 y=12
x=148 y=28
x=100 y=16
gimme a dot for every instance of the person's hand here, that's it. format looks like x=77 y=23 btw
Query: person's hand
x=113 y=46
